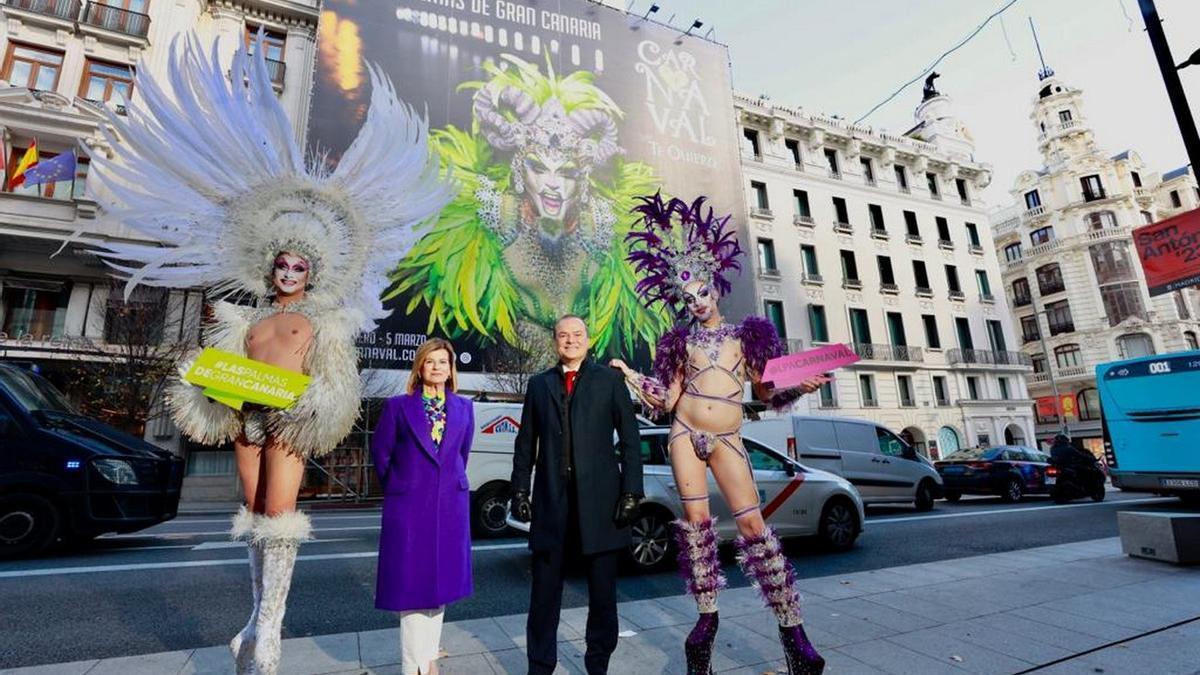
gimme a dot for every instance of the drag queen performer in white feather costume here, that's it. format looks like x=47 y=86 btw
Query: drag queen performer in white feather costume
x=210 y=166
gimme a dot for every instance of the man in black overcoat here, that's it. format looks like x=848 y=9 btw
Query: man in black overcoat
x=585 y=492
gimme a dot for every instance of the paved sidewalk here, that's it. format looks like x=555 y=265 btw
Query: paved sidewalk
x=1072 y=608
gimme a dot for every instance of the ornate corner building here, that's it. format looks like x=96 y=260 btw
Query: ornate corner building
x=1076 y=287
x=878 y=240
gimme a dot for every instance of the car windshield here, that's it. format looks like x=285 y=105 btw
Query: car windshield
x=974 y=453
x=33 y=392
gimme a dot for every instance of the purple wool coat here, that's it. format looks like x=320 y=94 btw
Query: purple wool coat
x=425 y=541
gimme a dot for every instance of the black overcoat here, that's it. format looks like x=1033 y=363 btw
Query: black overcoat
x=599 y=405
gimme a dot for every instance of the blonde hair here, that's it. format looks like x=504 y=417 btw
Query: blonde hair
x=430 y=346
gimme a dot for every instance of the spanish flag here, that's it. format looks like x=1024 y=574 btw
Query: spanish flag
x=29 y=159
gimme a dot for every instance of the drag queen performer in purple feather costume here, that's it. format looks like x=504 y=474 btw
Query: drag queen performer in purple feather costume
x=685 y=255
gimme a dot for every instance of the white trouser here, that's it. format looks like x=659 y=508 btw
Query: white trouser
x=420 y=638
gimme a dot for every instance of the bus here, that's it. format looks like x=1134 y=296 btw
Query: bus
x=1150 y=417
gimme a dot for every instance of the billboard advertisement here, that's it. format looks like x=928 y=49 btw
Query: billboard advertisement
x=553 y=118
x=1170 y=252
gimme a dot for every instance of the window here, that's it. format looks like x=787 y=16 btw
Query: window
x=910 y=224
x=766 y=256
x=904 y=385
x=895 y=322
x=920 y=275
x=1112 y=262
x=1092 y=189
x=1181 y=305
x=952 y=279
x=34 y=308
x=1049 y=278
x=1064 y=116
x=1021 y=295
x=973 y=235
x=273 y=46
x=1088 y=404
x=875 y=211
x=1043 y=235
x=961 y=186
x=1004 y=392
x=1147 y=217
x=932 y=339
x=750 y=144
x=1068 y=356
x=63 y=190
x=840 y=213
x=1058 y=316
x=962 y=326
x=761 y=459
x=32 y=68
x=1176 y=202
x=995 y=331
x=943 y=228
x=1137 y=179
x=1039 y=363
x=808 y=254
x=760 y=195
x=901 y=177
x=866 y=387
x=800 y=201
x=774 y=311
x=653 y=450
x=1134 y=345
x=817 y=324
x=1012 y=252
x=828 y=395
x=1032 y=199
x=1101 y=220
x=793 y=148
x=106 y=82
x=831 y=159
x=972 y=388
x=1029 y=328
x=868 y=170
x=1189 y=338
x=860 y=326
x=140 y=321
x=931 y=180
x=886 y=276
x=849 y=266
x=981 y=280
x=889 y=443
x=940 y=393
x=1122 y=301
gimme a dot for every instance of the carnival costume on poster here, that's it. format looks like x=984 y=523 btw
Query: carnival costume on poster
x=685 y=255
x=534 y=232
x=207 y=163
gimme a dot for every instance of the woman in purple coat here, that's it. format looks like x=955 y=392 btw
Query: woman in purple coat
x=420 y=447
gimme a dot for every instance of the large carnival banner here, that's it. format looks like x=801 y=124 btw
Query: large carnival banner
x=553 y=119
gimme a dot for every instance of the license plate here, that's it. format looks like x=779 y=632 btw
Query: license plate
x=953 y=469
x=1180 y=482
x=1051 y=480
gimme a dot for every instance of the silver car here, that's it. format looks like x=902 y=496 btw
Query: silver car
x=796 y=500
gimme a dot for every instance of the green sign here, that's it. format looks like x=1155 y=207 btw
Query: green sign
x=235 y=380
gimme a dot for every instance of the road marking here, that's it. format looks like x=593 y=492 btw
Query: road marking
x=181 y=564
x=182 y=520
x=214 y=545
x=1000 y=512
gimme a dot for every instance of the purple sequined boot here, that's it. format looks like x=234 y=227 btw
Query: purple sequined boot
x=763 y=561
x=700 y=567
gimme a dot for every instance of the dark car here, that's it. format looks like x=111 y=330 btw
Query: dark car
x=64 y=475
x=1010 y=471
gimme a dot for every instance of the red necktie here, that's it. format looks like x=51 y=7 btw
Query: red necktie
x=570 y=375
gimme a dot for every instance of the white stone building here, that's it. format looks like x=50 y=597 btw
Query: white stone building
x=879 y=241
x=1076 y=287
x=64 y=62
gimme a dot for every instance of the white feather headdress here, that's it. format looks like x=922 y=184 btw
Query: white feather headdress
x=210 y=167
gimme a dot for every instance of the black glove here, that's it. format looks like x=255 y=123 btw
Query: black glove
x=521 y=510
x=626 y=509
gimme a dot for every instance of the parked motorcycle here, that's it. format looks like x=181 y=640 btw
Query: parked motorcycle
x=1075 y=481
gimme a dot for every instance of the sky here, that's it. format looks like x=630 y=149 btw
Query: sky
x=844 y=56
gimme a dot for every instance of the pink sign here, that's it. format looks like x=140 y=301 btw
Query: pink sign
x=789 y=371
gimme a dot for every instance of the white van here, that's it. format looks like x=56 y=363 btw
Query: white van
x=884 y=468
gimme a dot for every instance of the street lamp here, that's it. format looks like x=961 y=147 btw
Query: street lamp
x=1062 y=419
x=1170 y=74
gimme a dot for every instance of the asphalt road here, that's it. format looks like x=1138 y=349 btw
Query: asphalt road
x=182 y=585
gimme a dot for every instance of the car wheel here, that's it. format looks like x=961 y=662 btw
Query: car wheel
x=652 y=545
x=952 y=495
x=1013 y=491
x=924 y=498
x=489 y=510
x=839 y=524
x=1189 y=498
x=28 y=525
x=1098 y=493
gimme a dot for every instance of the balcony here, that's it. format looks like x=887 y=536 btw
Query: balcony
x=803 y=221
x=924 y=292
x=903 y=188
x=1143 y=194
x=964 y=200
x=879 y=233
x=277 y=71
x=1039 y=378
x=914 y=239
x=795 y=345
x=1052 y=287
x=1026 y=338
x=945 y=244
x=762 y=212
x=117 y=19
x=889 y=289
x=67 y=10
x=812 y=279
x=852 y=284
x=975 y=249
x=1006 y=227
x=1022 y=300
x=985 y=357
x=1073 y=372
x=1034 y=213
x=1094 y=196
x=877 y=352
x=770 y=273
x=835 y=174
x=957 y=296
x=936 y=196
x=799 y=166
x=869 y=181
x=843 y=228
x=1063 y=327
x=987 y=298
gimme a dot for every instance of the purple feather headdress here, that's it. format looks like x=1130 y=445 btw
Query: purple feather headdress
x=680 y=243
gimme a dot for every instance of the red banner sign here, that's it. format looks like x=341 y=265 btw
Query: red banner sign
x=1046 y=407
x=1170 y=252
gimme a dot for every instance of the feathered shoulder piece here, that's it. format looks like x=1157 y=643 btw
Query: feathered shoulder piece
x=207 y=163
x=761 y=343
x=679 y=243
x=670 y=356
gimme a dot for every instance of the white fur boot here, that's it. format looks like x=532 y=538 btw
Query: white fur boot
x=280 y=537
x=242 y=644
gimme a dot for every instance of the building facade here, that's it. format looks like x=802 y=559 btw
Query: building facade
x=1073 y=279
x=879 y=241
x=65 y=63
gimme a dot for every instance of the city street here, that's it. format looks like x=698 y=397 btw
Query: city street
x=183 y=585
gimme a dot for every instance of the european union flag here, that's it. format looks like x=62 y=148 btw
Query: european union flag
x=60 y=167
